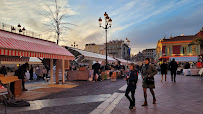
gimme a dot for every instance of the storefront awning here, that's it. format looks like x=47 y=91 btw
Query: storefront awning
x=12 y=44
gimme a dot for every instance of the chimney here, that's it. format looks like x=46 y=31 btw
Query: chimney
x=202 y=29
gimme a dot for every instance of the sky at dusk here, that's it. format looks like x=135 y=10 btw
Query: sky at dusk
x=143 y=22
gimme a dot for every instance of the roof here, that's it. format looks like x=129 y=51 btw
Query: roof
x=90 y=55
x=12 y=44
x=180 y=38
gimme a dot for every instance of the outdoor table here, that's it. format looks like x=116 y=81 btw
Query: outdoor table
x=191 y=72
x=194 y=71
x=17 y=84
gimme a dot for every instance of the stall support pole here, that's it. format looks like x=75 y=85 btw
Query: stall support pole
x=51 y=71
x=57 y=71
x=68 y=64
x=63 y=71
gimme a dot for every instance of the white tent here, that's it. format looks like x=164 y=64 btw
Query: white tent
x=123 y=61
x=94 y=56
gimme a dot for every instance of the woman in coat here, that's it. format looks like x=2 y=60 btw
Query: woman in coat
x=164 y=68
x=148 y=70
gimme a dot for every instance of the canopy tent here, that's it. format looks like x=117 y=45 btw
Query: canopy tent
x=85 y=55
x=123 y=61
x=12 y=44
x=185 y=59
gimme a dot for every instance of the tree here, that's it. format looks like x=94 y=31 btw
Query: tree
x=57 y=14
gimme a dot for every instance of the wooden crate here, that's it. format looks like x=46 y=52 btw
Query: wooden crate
x=114 y=76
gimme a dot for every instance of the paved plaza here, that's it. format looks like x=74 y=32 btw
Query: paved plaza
x=183 y=97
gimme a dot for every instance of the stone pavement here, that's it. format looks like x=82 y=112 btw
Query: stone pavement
x=183 y=97
x=39 y=104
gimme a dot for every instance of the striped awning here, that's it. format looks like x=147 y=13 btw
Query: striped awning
x=14 y=58
x=12 y=44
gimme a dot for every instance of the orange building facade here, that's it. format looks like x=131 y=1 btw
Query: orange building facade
x=178 y=46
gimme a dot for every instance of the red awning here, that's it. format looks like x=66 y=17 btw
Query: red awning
x=14 y=58
x=18 y=45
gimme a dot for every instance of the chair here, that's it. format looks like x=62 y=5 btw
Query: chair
x=200 y=74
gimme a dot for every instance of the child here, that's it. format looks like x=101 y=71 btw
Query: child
x=131 y=79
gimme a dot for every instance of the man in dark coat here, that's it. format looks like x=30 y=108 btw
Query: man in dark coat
x=3 y=70
x=96 y=68
x=21 y=74
x=31 y=73
x=173 y=66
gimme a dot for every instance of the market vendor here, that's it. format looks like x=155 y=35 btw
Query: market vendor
x=21 y=74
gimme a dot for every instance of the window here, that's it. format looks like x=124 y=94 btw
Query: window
x=194 y=49
x=184 y=50
x=168 y=51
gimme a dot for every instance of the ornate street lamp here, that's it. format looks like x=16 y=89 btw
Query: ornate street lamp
x=108 y=23
x=23 y=30
x=74 y=45
x=19 y=28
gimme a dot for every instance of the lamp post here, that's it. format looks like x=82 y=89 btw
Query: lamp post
x=108 y=23
x=74 y=45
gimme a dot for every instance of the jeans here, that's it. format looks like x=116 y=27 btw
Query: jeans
x=132 y=90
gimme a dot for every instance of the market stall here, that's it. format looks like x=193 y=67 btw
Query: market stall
x=190 y=59
x=18 y=45
x=84 y=57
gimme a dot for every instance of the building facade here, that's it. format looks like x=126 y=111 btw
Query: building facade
x=118 y=49
x=149 y=53
x=95 y=48
x=178 y=46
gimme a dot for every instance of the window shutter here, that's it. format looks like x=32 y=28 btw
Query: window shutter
x=170 y=50
x=197 y=49
x=188 y=49
x=181 y=50
x=166 y=50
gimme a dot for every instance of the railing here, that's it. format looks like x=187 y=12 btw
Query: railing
x=18 y=30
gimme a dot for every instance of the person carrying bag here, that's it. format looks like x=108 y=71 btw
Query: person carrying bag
x=147 y=72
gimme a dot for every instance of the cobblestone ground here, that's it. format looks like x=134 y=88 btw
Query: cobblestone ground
x=183 y=97
x=80 y=96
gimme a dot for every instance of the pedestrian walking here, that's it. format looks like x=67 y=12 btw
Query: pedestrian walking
x=147 y=72
x=38 y=72
x=44 y=72
x=173 y=67
x=31 y=73
x=164 y=68
x=131 y=79
x=96 y=68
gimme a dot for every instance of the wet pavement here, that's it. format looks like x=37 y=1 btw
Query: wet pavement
x=39 y=104
x=183 y=97
x=84 y=98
